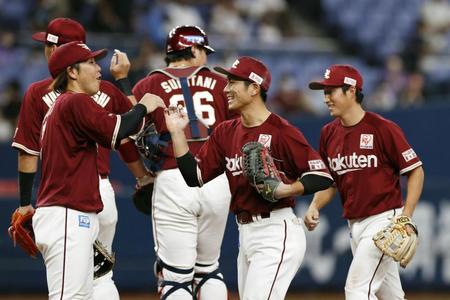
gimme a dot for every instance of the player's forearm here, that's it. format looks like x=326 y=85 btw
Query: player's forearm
x=306 y=185
x=179 y=143
x=322 y=198
x=27 y=163
x=137 y=168
x=414 y=190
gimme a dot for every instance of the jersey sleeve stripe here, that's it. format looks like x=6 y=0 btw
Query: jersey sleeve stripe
x=116 y=131
x=411 y=167
x=323 y=174
x=22 y=147
x=199 y=176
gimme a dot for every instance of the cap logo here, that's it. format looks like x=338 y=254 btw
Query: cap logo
x=256 y=78
x=84 y=46
x=52 y=38
x=327 y=74
x=196 y=39
x=350 y=81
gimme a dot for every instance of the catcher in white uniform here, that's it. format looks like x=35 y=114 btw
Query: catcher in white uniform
x=188 y=223
x=366 y=155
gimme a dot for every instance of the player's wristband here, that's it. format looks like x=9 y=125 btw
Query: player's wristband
x=125 y=86
x=25 y=187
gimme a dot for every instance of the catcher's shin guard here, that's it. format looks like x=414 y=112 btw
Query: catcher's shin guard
x=209 y=283
x=171 y=280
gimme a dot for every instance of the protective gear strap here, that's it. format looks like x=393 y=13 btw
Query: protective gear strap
x=188 y=168
x=130 y=121
x=193 y=120
x=25 y=187
x=128 y=152
x=204 y=277
x=160 y=265
x=313 y=183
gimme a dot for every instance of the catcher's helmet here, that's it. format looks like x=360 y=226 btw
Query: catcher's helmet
x=182 y=37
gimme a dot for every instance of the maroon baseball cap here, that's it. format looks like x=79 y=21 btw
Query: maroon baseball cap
x=249 y=68
x=339 y=75
x=61 y=31
x=70 y=54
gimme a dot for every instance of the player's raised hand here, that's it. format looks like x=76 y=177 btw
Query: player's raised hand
x=152 y=102
x=120 y=65
x=311 y=218
x=176 y=118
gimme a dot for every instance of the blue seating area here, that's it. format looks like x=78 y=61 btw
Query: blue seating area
x=376 y=28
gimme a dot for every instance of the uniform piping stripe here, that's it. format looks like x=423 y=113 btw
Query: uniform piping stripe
x=199 y=176
x=370 y=283
x=116 y=131
x=323 y=174
x=281 y=259
x=22 y=147
x=64 y=255
x=412 y=167
x=373 y=276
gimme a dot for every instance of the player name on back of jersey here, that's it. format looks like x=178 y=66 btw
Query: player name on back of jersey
x=350 y=163
x=196 y=80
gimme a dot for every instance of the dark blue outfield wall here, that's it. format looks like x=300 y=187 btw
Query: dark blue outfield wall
x=328 y=255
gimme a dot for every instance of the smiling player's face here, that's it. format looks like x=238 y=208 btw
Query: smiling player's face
x=89 y=76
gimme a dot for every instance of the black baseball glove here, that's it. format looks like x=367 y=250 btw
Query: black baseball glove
x=260 y=170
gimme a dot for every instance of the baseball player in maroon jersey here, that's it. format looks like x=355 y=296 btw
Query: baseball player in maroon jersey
x=37 y=101
x=271 y=237
x=188 y=223
x=65 y=222
x=366 y=155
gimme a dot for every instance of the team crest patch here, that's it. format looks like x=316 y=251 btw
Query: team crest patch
x=265 y=139
x=366 y=141
x=84 y=221
x=316 y=164
x=409 y=154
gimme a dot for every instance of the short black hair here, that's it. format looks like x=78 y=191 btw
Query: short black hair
x=359 y=94
x=184 y=54
x=262 y=92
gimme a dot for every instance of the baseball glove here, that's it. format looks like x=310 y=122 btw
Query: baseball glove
x=260 y=170
x=142 y=196
x=103 y=260
x=21 y=232
x=396 y=241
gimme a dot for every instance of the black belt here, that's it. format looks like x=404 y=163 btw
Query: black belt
x=103 y=176
x=245 y=217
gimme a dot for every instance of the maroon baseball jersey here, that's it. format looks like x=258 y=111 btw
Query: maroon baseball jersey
x=70 y=132
x=37 y=101
x=292 y=154
x=366 y=161
x=209 y=101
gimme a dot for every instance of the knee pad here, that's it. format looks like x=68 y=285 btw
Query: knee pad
x=211 y=276
x=171 y=279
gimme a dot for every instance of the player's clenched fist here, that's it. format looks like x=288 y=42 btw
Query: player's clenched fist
x=152 y=102
x=311 y=218
x=176 y=118
x=120 y=65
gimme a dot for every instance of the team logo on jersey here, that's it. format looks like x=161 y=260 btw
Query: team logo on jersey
x=265 y=139
x=351 y=163
x=84 y=221
x=316 y=164
x=409 y=155
x=366 y=141
x=234 y=164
